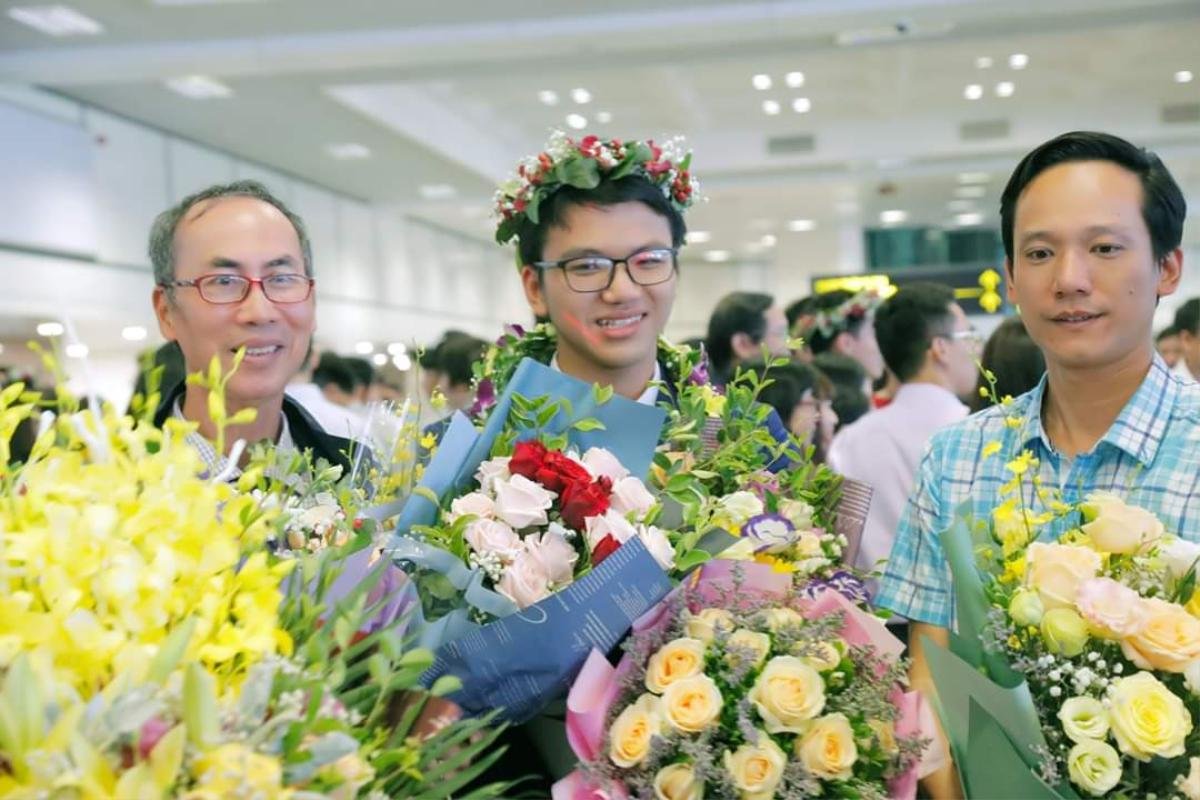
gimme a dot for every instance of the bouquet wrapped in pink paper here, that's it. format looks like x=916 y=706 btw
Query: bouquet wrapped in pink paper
x=739 y=686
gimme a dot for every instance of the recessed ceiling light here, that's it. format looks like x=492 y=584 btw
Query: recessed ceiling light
x=577 y=121
x=768 y=240
x=1183 y=76
x=396 y=348
x=802 y=105
x=548 y=97
x=801 y=225
x=402 y=362
x=961 y=205
x=1018 y=61
x=1005 y=89
x=348 y=151
x=973 y=177
x=761 y=82
x=893 y=216
x=133 y=333
x=698 y=237
x=968 y=218
x=973 y=91
x=970 y=191
x=364 y=348
x=379 y=359
x=50 y=329
x=603 y=117
x=983 y=62
x=199 y=87
x=56 y=20
x=581 y=96
x=771 y=107
x=794 y=79
x=76 y=350
x=717 y=256
x=437 y=191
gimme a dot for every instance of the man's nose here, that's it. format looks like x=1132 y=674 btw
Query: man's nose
x=256 y=307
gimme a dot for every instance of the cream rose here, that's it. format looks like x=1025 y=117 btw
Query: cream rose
x=776 y=619
x=521 y=502
x=788 y=693
x=490 y=471
x=1147 y=719
x=1083 y=718
x=1191 y=677
x=658 y=545
x=826 y=657
x=1180 y=556
x=677 y=659
x=747 y=641
x=632 y=730
x=610 y=523
x=739 y=507
x=1168 y=639
x=492 y=536
x=1114 y=611
x=692 y=704
x=756 y=769
x=630 y=496
x=1094 y=766
x=677 y=782
x=1055 y=571
x=476 y=504
x=1117 y=527
x=885 y=735
x=827 y=748
x=525 y=581
x=798 y=511
x=556 y=554
x=1190 y=785
x=704 y=625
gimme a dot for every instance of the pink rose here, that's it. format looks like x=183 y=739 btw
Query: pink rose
x=475 y=503
x=526 y=580
x=600 y=462
x=490 y=471
x=630 y=495
x=556 y=554
x=1114 y=611
x=608 y=524
x=521 y=502
x=492 y=536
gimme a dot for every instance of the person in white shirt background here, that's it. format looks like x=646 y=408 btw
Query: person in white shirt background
x=930 y=345
x=1187 y=324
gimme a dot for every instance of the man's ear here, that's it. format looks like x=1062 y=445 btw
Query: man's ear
x=1008 y=282
x=1170 y=272
x=743 y=346
x=535 y=291
x=164 y=310
x=843 y=343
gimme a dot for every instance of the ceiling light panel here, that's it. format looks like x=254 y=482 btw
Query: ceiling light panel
x=56 y=20
x=199 y=87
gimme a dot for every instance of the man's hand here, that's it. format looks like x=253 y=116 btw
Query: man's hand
x=942 y=784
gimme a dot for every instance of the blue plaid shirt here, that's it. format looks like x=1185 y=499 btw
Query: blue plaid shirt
x=1150 y=456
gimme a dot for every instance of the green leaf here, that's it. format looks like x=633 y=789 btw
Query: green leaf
x=582 y=173
x=200 y=706
x=691 y=559
x=171 y=651
x=445 y=685
x=420 y=658
x=602 y=394
x=589 y=424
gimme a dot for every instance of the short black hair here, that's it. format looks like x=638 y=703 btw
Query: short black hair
x=362 y=370
x=531 y=236
x=906 y=323
x=1163 y=206
x=1167 y=333
x=788 y=384
x=848 y=376
x=1013 y=358
x=818 y=341
x=800 y=308
x=430 y=358
x=737 y=312
x=332 y=368
x=456 y=357
x=1187 y=317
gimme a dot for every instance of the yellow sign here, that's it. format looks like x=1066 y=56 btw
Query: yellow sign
x=855 y=284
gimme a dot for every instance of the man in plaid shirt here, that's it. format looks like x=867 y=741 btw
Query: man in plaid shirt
x=1092 y=228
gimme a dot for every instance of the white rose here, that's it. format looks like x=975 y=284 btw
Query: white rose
x=492 y=536
x=318 y=516
x=1180 y=556
x=475 y=503
x=599 y=461
x=525 y=581
x=740 y=506
x=798 y=511
x=630 y=495
x=1190 y=785
x=809 y=544
x=609 y=523
x=521 y=502
x=1191 y=677
x=490 y=471
x=556 y=555
x=658 y=544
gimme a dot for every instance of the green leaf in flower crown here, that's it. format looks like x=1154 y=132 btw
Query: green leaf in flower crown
x=635 y=154
x=582 y=173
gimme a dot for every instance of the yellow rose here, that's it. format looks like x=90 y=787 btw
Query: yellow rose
x=787 y=694
x=1094 y=766
x=1168 y=639
x=629 y=738
x=681 y=658
x=1190 y=785
x=826 y=657
x=758 y=645
x=885 y=734
x=1083 y=718
x=827 y=748
x=230 y=768
x=1116 y=527
x=692 y=704
x=704 y=626
x=1056 y=570
x=1147 y=719
x=779 y=618
x=756 y=769
x=677 y=782
x=1064 y=632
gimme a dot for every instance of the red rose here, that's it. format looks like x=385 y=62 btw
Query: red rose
x=604 y=548
x=558 y=471
x=527 y=458
x=582 y=500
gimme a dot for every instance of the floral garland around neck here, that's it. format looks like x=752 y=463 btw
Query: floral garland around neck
x=681 y=364
x=831 y=321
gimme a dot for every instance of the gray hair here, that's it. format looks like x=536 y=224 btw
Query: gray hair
x=162 y=232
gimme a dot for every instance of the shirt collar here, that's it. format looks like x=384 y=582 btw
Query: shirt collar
x=926 y=395
x=1138 y=430
x=216 y=463
x=649 y=395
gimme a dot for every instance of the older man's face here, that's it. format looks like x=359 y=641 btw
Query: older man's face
x=248 y=237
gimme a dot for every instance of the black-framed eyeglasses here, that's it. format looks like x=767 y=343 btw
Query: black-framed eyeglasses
x=222 y=288
x=596 y=273
x=970 y=336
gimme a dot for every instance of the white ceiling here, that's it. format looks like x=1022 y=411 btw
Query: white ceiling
x=447 y=93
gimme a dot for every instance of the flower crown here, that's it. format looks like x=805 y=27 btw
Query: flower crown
x=831 y=321
x=584 y=164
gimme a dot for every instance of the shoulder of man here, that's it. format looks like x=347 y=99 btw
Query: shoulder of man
x=308 y=434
